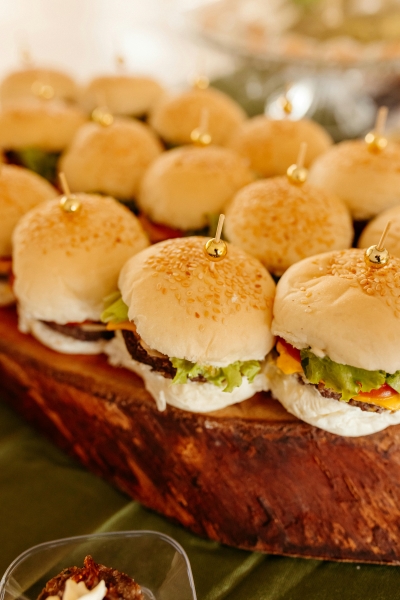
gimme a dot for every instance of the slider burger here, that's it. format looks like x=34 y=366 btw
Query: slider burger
x=110 y=156
x=337 y=318
x=282 y=220
x=21 y=84
x=34 y=132
x=183 y=187
x=195 y=331
x=365 y=174
x=67 y=255
x=175 y=117
x=124 y=95
x=368 y=182
x=272 y=145
x=374 y=228
x=20 y=190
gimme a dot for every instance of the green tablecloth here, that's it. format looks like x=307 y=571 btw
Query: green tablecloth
x=45 y=495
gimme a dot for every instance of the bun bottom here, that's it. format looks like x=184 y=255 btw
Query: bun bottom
x=6 y=294
x=306 y=403
x=190 y=396
x=55 y=340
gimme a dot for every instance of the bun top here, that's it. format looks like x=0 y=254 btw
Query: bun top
x=174 y=118
x=110 y=160
x=46 y=125
x=123 y=95
x=373 y=231
x=66 y=263
x=19 y=85
x=184 y=185
x=184 y=309
x=272 y=146
x=341 y=308
x=280 y=223
x=20 y=190
x=367 y=182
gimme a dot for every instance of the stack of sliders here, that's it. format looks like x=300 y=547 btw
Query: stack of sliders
x=20 y=190
x=337 y=364
x=67 y=254
x=196 y=331
x=282 y=220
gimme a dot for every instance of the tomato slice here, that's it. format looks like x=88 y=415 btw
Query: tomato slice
x=157 y=232
x=385 y=391
x=291 y=350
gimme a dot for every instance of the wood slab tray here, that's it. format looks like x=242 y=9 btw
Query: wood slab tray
x=251 y=476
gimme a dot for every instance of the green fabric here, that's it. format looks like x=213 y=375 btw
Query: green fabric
x=45 y=495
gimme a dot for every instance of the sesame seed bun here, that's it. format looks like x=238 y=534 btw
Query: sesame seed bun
x=175 y=117
x=18 y=84
x=110 y=160
x=65 y=264
x=339 y=307
x=123 y=95
x=49 y=126
x=20 y=190
x=272 y=146
x=373 y=231
x=280 y=223
x=184 y=185
x=184 y=309
x=367 y=182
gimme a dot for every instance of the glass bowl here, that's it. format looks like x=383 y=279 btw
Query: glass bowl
x=158 y=564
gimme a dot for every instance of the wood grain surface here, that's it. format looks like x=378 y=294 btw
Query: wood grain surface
x=251 y=476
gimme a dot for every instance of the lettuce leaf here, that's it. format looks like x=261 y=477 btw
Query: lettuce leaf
x=394 y=381
x=41 y=162
x=228 y=377
x=345 y=380
x=115 y=309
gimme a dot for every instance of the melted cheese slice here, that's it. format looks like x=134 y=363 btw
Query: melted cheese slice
x=287 y=363
x=124 y=325
x=391 y=402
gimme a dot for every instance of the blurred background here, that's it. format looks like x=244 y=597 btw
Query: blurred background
x=337 y=59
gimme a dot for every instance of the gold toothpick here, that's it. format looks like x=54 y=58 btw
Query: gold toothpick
x=201 y=135
x=68 y=202
x=216 y=249
x=375 y=139
x=297 y=173
x=377 y=256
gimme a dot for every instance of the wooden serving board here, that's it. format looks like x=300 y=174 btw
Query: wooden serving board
x=251 y=476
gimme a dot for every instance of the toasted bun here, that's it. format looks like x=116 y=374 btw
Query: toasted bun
x=174 y=118
x=367 y=182
x=110 y=160
x=192 y=396
x=280 y=223
x=373 y=231
x=272 y=146
x=184 y=309
x=123 y=95
x=184 y=185
x=65 y=264
x=307 y=404
x=20 y=190
x=18 y=85
x=339 y=307
x=49 y=126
